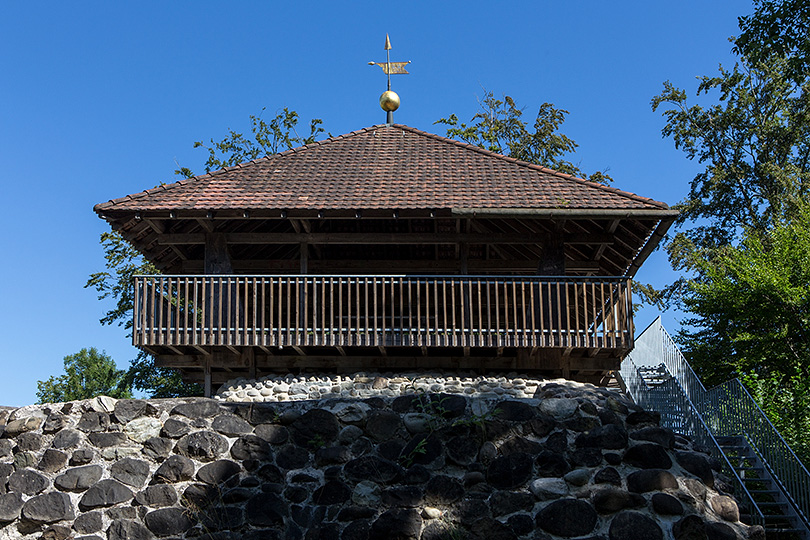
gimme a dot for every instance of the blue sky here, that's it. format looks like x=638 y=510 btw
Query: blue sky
x=102 y=99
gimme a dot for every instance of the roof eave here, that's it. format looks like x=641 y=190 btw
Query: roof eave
x=591 y=213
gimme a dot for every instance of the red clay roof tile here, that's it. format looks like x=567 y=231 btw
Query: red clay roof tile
x=382 y=167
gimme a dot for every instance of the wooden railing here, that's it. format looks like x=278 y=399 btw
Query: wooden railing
x=382 y=311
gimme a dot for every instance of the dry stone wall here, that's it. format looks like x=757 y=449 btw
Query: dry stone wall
x=574 y=461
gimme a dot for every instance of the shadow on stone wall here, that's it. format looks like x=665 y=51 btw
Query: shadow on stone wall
x=577 y=462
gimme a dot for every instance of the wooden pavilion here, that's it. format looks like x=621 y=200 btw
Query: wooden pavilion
x=387 y=248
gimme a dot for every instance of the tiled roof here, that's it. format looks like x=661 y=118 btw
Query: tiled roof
x=383 y=167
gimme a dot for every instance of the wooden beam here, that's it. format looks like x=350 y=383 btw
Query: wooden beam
x=554 y=365
x=395 y=267
x=383 y=238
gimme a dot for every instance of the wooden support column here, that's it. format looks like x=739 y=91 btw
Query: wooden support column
x=465 y=255
x=207 y=377
x=217 y=259
x=304 y=252
x=552 y=262
x=248 y=358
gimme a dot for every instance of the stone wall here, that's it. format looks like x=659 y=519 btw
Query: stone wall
x=574 y=461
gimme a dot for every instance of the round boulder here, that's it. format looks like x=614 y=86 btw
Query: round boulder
x=634 y=526
x=567 y=518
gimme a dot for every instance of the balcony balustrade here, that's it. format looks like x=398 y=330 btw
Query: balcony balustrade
x=381 y=311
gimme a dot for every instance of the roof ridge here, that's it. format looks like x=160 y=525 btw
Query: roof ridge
x=590 y=183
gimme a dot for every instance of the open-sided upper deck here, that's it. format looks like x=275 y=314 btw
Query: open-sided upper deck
x=468 y=258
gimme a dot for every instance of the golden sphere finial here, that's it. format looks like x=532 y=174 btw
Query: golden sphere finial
x=389 y=101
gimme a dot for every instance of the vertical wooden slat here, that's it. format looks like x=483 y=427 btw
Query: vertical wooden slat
x=532 y=310
x=543 y=300
x=287 y=282
x=205 y=322
x=453 y=311
x=379 y=320
x=419 y=337
x=340 y=308
x=138 y=310
x=559 y=311
x=357 y=319
x=577 y=324
x=604 y=314
x=159 y=312
x=506 y=325
x=209 y=299
x=185 y=311
x=523 y=323
x=445 y=325
x=410 y=313
x=304 y=339
x=245 y=325
x=232 y=306
x=436 y=323
x=366 y=315
x=218 y=307
x=139 y=300
x=480 y=321
x=330 y=340
x=592 y=305
x=176 y=321
x=393 y=309
x=497 y=314
x=515 y=312
x=197 y=314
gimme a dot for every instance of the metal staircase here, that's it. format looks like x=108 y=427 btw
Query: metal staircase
x=771 y=485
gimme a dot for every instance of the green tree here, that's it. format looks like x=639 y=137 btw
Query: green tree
x=741 y=240
x=778 y=29
x=88 y=374
x=754 y=142
x=267 y=138
x=498 y=127
x=122 y=261
x=750 y=318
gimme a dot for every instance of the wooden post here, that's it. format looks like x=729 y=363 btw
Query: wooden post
x=302 y=291
x=217 y=259
x=304 y=252
x=207 y=368
x=249 y=359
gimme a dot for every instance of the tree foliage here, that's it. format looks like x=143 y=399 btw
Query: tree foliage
x=755 y=144
x=742 y=240
x=750 y=305
x=88 y=374
x=267 y=138
x=498 y=127
x=122 y=263
x=750 y=318
x=777 y=29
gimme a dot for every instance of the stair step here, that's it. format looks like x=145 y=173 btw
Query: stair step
x=752 y=479
x=764 y=491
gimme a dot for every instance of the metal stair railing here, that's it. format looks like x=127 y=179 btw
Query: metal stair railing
x=679 y=414
x=734 y=410
x=725 y=410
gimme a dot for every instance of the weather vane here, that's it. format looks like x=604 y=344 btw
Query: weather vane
x=389 y=100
